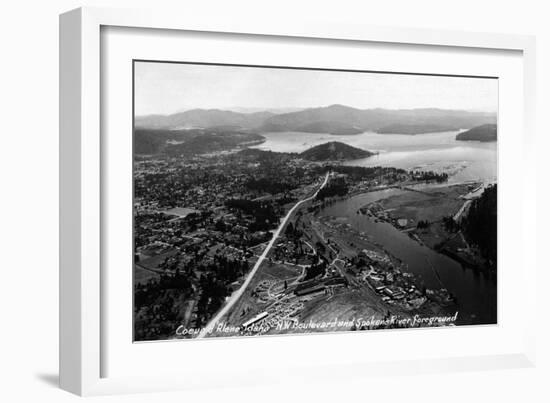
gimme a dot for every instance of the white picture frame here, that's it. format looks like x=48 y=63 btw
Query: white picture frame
x=82 y=170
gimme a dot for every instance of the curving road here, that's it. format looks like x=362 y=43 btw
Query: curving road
x=236 y=295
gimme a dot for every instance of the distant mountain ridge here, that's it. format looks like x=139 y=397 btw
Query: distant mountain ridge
x=399 y=121
x=334 y=119
x=413 y=128
x=336 y=128
x=202 y=118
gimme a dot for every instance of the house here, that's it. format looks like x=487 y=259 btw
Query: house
x=402 y=222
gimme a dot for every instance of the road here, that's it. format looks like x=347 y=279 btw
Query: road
x=474 y=194
x=237 y=294
x=461 y=211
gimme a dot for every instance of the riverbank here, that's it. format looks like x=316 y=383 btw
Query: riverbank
x=475 y=291
x=430 y=216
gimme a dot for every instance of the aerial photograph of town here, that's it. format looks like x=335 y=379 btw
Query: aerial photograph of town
x=283 y=201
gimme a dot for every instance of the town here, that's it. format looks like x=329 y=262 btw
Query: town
x=202 y=222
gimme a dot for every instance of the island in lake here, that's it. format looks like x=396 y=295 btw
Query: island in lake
x=482 y=133
x=335 y=151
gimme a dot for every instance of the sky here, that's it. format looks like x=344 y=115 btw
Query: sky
x=165 y=88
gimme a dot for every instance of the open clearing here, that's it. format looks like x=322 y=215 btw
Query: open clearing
x=431 y=204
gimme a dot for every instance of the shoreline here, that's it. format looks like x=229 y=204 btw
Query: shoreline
x=412 y=231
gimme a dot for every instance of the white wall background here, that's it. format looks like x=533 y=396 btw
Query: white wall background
x=29 y=200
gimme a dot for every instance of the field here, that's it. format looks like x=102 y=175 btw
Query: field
x=407 y=210
x=142 y=276
x=153 y=263
x=427 y=205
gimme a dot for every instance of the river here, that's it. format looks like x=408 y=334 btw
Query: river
x=475 y=292
x=463 y=161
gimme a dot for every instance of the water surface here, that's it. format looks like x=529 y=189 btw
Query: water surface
x=462 y=160
x=475 y=291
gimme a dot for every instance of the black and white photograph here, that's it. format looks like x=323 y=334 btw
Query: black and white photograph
x=273 y=200
x=299 y=200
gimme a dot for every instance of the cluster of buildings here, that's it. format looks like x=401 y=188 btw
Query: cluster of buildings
x=187 y=223
x=193 y=213
x=285 y=305
x=394 y=286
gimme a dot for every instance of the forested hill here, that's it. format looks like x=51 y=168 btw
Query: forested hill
x=191 y=142
x=480 y=225
x=334 y=151
x=482 y=133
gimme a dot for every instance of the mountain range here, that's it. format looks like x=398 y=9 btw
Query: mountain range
x=203 y=118
x=334 y=119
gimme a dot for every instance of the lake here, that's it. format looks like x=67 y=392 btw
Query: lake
x=462 y=160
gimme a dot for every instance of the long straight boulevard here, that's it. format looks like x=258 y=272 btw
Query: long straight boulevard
x=236 y=295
